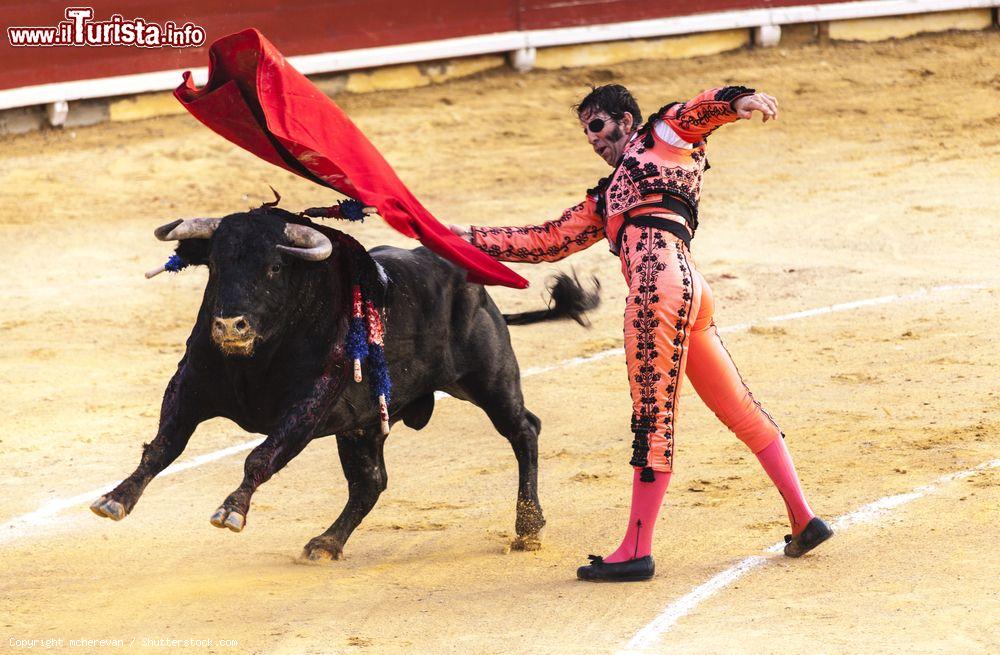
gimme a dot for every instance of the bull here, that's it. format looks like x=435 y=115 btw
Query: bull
x=268 y=352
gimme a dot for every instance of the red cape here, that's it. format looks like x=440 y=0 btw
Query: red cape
x=257 y=100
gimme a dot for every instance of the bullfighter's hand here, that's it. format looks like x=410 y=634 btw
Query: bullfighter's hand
x=766 y=104
x=461 y=232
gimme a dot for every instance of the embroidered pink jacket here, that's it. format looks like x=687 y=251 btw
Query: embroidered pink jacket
x=650 y=171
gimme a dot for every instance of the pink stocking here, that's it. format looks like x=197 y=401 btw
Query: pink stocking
x=777 y=461
x=646 y=500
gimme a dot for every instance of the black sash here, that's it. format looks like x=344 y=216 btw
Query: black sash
x=673 y=227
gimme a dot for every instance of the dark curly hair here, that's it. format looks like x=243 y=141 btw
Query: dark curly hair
x=612 y=99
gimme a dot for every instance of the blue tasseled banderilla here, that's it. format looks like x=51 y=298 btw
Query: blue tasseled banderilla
x=350 y=210
x=357 y=332
x=382 y=385
x=357 y=345
x=174 y=264
x=365 y=330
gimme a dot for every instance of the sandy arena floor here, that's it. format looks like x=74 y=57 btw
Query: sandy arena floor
x=881 y=177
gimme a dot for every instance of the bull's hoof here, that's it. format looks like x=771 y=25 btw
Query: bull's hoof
x=527 y=542
x=227 y=518
x=323 y=549
x=111 y=509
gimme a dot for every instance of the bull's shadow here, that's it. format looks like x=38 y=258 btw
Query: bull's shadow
x=268 y=351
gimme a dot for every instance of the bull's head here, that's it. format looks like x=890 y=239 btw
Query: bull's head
x=255 y=263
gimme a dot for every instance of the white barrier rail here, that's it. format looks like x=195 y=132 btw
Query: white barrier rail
x=515 y=41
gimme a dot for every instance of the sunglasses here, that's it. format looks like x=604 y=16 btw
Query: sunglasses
x=596 y=125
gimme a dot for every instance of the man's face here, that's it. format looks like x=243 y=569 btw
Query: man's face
x=605 y=136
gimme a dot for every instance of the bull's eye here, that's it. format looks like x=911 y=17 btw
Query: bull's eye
x=275 y=269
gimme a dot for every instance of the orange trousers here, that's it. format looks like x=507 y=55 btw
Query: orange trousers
x=670 y=333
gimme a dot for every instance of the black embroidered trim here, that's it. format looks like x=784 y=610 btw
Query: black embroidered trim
x=681 y=184
x=646 y=131
x=731 y=94
x=658 y=116
x=557 y=251
x=673 y=181
x=706 y=113
x=706 y=110
x=645 y=323
x=640 y=441
x=684 y=320
x=599 y=191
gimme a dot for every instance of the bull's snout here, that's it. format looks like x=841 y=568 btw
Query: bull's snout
x=235 y=328
x=234 y=335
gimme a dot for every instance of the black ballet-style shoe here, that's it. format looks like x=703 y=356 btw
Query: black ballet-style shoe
x=632 y=570
x=815 y=533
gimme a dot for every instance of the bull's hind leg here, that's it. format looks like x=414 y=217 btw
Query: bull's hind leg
x=498 y=393
x=361 y=455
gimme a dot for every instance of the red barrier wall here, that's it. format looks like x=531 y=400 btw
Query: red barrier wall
x=306 y=27
x=542 y=14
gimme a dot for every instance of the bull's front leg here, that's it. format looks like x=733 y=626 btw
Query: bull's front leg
x=180 y=414
x=297 y=427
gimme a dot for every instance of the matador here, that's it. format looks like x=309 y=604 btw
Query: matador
x=647 y=210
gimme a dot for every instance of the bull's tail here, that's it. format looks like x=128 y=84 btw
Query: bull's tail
x=567 y=299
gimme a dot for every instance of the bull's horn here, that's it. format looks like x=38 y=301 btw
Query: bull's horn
x=312 y=245
x=192 y=228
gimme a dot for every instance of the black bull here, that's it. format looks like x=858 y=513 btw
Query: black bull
x=268 y=352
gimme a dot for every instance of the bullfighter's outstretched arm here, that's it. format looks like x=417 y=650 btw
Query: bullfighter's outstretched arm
x=695 y=119
x=579 y=227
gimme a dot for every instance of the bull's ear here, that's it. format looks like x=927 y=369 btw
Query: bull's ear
x=194 y=251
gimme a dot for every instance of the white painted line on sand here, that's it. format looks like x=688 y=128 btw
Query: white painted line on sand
x=20 y=526
x=647 y=639
x=919 y=294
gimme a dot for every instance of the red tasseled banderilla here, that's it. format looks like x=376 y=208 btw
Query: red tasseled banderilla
x=376 y=355
x=376 y=333
x=357 y=316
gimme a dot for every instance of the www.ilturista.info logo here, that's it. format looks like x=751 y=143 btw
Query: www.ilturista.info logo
x=79 y=29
